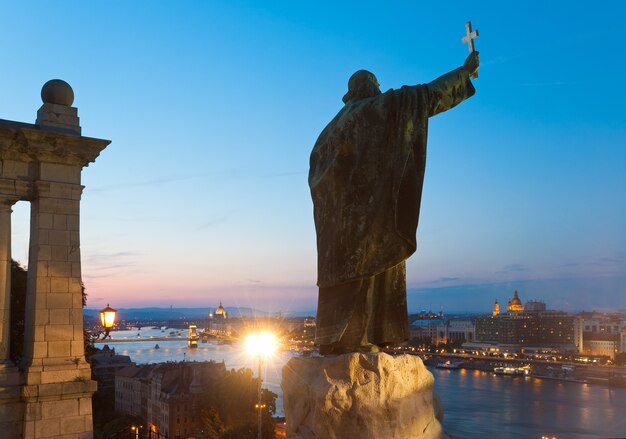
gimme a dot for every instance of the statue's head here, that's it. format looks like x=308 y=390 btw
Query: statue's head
x=361 y=85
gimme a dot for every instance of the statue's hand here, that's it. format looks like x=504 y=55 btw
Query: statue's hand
x=471 y=63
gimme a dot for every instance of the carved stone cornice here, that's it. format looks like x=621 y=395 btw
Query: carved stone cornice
x=30 y=143
x=11 y=191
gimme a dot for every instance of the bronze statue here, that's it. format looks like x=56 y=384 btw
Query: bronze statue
x=366 y=174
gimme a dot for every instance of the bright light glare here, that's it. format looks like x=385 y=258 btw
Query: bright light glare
x=261 y=344
x=108 y=319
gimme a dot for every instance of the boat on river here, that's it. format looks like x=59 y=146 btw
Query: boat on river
x=511 y=371
x=448 y=365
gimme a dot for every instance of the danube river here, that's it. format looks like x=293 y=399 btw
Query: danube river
x=476 y=404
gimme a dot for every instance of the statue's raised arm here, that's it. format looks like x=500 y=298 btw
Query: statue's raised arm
x=454 y=87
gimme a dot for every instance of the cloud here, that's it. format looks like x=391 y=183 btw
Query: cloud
x=284 y=174
x=113 y=266
x=124 y=186
x=609 y=261
x=512 y=268
x=99 y=257
x=446 y=279
x=551 y=83
x=499 y=60
x=218 y=220
x=101 y=265
x=97 y=276
x=124 y=219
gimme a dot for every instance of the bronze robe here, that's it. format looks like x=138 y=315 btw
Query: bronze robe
x=366 y=174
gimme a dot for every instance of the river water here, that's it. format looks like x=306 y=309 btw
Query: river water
x=476 y=404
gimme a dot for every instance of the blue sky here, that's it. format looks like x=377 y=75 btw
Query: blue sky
x=213 y=108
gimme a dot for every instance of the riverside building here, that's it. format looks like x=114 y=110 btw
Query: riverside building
x=604 y=334
x=440 y=330
x=165 y=395
x=530 y=326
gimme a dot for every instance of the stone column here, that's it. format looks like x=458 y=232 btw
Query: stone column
x=54 y=361
x=53 y=345
x=5 y=279
x=11 y=406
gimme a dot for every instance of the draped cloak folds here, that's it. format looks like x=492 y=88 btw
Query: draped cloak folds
x=366 y=175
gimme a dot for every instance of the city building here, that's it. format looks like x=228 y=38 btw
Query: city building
x=534 y=306
x=439 y=330
x=220 y=312
x=166 y=395
x=461 y=330
x=515 y=304
x=604 y=333
x=599 y=344
x=432 y=330
x=604 y=324
x=104 y=366
x=496 y=309
x=529 y=326
x=218 y=323
x=578 y=333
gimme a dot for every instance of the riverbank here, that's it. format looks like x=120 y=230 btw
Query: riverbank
x=614 y=376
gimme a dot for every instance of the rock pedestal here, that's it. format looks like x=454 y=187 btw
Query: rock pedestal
x=359 y=395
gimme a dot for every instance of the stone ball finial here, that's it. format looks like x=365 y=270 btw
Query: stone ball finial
x=57 y=91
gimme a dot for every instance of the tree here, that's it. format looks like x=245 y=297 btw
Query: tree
x=229 y=410
x=212 y=424
x=18 y=310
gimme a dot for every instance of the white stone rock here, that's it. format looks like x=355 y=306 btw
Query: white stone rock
x=361 y=396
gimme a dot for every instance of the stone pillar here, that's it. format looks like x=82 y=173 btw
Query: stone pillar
x=11 y=406
x=5 y=279
x=359 y=395
x=54 y=361
x=53 y=341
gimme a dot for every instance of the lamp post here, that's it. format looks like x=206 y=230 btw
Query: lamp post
x=107 y=318
x=261 y=345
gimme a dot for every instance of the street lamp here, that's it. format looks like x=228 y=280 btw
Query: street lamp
x=261 y=345
x=135 y=429
x=107 y=318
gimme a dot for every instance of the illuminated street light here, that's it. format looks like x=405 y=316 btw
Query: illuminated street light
x=107 y=318
x=261 y=345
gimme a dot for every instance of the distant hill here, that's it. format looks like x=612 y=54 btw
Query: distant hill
x=172 y=313
x=309 y=313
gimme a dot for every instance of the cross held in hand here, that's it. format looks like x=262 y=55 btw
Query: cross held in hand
x=469 y=39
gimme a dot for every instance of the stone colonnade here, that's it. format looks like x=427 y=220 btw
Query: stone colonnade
x=47 y=395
